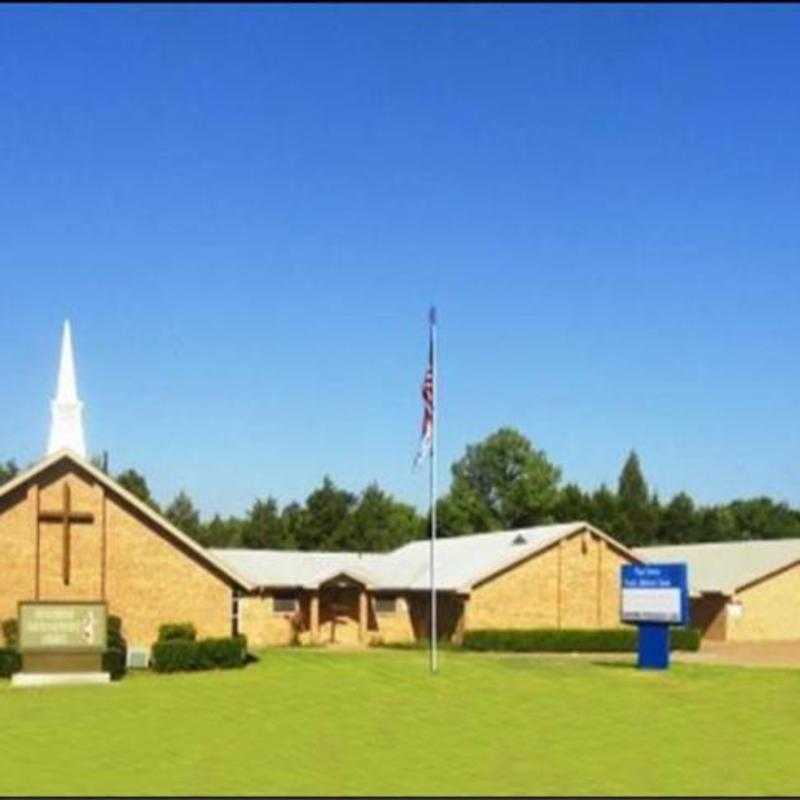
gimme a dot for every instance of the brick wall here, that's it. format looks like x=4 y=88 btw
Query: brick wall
x=262 y=626
x=770 y=609
x=17 y=550
x=575 y=583
x=149 y=579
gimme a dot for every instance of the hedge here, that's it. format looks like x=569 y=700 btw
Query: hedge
x=177 y=631
x=685 y=639
x=612 y=640
x=182 y=655
x=10 y=662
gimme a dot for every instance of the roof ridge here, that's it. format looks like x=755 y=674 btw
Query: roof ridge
x=796 y=540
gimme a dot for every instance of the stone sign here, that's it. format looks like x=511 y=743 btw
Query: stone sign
x=62 y=627
x=61 y=643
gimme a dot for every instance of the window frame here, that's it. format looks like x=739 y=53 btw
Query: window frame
x=393 y=598
x=285 y=597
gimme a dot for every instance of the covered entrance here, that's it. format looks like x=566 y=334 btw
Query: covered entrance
x=342 y=612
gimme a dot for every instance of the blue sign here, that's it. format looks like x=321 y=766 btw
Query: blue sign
x=655 y=593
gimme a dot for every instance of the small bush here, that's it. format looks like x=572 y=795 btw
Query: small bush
x=116 y=656
x=173 y=656
x=224 y=653
x=177 y=631
x=10 y=662
x=114 y=636
x=114 y=663
x=11 y=632
x=181 y=655
x=611 y=640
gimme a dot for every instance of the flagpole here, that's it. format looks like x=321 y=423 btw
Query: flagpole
x=434 y=430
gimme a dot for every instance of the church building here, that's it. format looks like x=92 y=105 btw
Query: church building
x=70 y=532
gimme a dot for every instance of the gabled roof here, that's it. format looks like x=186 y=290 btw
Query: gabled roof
x=201 y=552
x=298 y=568
x=727 y=567
x=462 y=562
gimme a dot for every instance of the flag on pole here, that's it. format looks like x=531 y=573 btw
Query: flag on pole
x=426 y=439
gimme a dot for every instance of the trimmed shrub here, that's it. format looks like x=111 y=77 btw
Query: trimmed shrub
x=10 y=662
x=177 y=631
x=116 y=656
x=552 y=640
x=114 y=663
x=181 y=655
x=11 y=632
x=173 y=656
x=611 y=640
x=224 y=653
x=114 y=636
x=416 y=644
x=685 y=639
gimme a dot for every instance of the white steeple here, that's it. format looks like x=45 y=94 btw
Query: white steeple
x=66 y=426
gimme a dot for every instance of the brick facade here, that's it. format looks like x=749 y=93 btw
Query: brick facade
x=150 y=574
x=572 y=584
x=770 y=608
x=122 y=556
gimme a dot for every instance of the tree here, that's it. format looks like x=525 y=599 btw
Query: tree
x=137 y=486
x=223 y=532
x=377 y=524
x=100 y=461
x=264 y=527
x=678 y=521
x=717 y=524
x=293 y=519
x=632 y=487
x=185 y=517
x=8 y=471
x=462 y=511
x=640 y=514
x=763 y=518
x=606 y=513
x=326 y=509
x=573 y=504
x=502 y=482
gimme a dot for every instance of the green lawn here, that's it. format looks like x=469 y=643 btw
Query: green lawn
x=311 y=722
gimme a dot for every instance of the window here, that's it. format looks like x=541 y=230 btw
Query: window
x=385 y=605
x=235 y=613
x=284 y=603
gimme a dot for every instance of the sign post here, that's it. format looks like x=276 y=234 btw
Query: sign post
x=654 y=596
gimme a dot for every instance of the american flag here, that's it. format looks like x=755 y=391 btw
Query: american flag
x=426 y=440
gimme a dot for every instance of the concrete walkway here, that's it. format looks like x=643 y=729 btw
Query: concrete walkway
x=746 y=654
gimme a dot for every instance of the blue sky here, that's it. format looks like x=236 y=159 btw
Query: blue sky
x=246 y=211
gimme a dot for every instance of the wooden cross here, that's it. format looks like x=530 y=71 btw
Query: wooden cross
x=66 y=516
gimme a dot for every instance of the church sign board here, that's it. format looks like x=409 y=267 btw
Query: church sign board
x=62 y=636
x=655 y=593
x=654 y=596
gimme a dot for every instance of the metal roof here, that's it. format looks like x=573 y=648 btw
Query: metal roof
x=293 y=568
x=726 y=567
x=461 y=561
